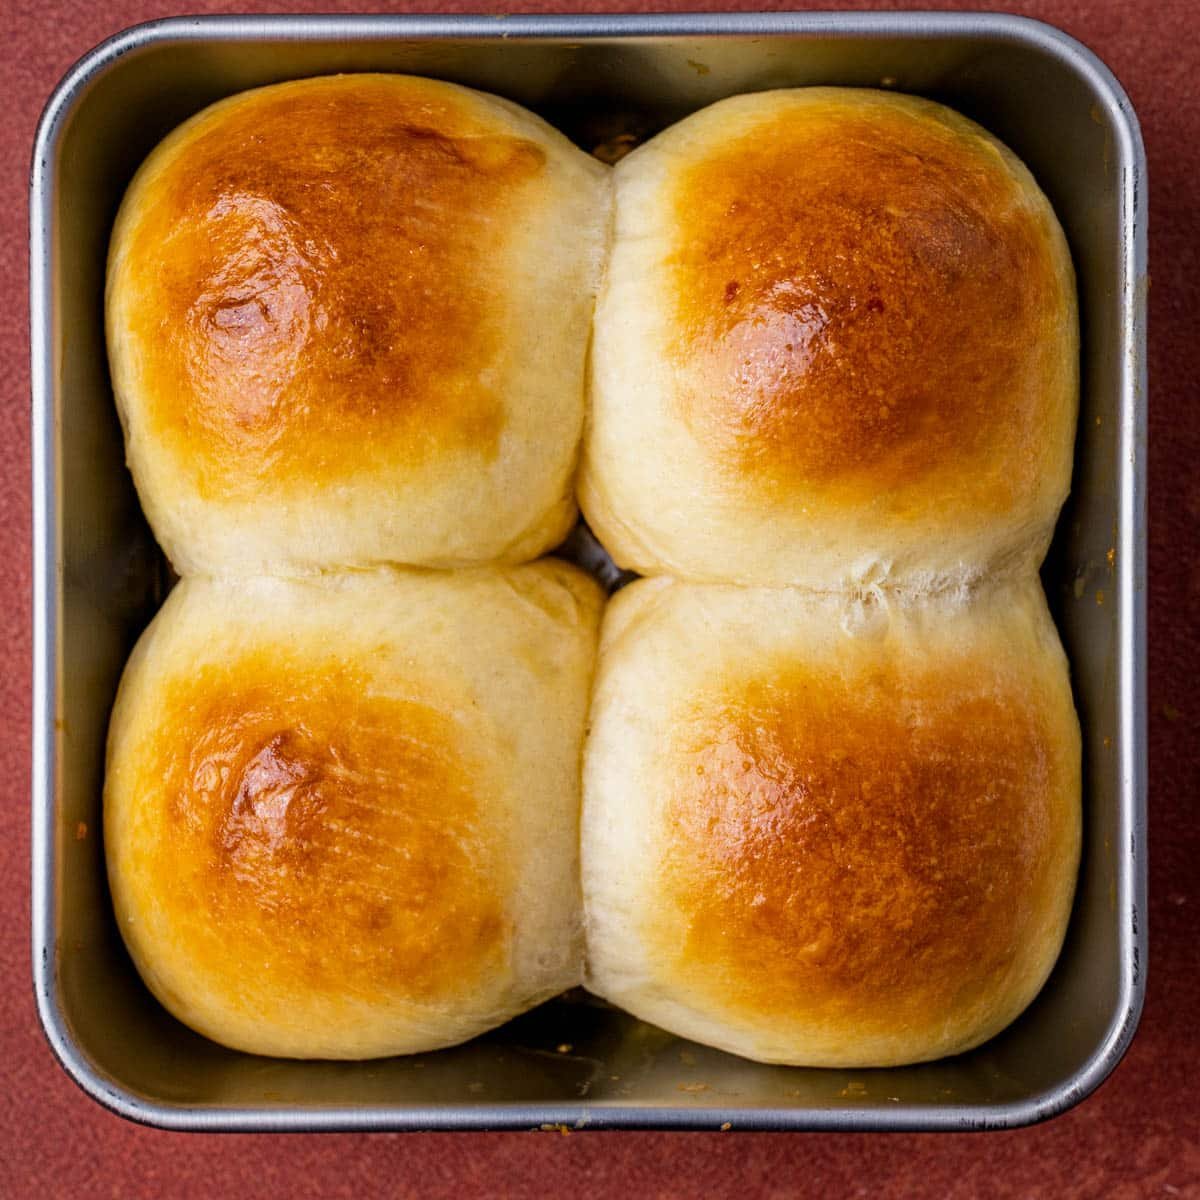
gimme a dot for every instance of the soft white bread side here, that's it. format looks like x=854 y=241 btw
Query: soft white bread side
x=828 y=833
x=341 y=815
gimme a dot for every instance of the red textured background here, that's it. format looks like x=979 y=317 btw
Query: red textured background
x=1138 y=1136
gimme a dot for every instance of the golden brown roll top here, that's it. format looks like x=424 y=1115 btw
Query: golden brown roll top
x=868 y=292
x=310 y=288
x=837 y=342
x=322 y=301
x=285 y=777
x=823 y=835
x=328 y=833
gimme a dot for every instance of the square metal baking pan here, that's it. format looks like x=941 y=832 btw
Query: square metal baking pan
x=98 y=575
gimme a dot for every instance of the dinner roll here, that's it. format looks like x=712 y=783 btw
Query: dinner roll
x=828 y=832
x=341 y=815
x=837 y=344
x=347 y=324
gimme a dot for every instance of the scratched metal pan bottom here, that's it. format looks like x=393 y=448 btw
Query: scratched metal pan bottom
x=99 y=576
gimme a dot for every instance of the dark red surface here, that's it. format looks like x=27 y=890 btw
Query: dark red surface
x=1139 y=1135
